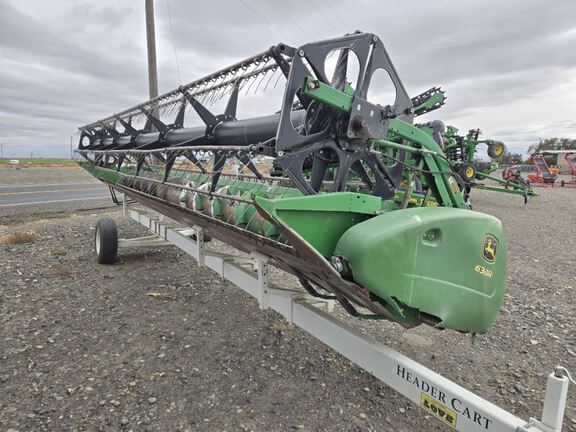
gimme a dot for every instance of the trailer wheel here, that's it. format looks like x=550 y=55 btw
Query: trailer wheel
x=562 y=183
x=496 y=149
x=467 y=172
x=106 y=241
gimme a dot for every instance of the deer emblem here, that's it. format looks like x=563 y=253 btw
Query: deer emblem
x=490 y=247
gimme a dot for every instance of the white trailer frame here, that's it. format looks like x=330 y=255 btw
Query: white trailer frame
x=447 y=401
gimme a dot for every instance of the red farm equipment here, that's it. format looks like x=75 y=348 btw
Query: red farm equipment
x=543 y=175
x=571 y=160
x=512 y=176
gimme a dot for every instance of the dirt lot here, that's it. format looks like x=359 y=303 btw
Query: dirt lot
x=86 y=347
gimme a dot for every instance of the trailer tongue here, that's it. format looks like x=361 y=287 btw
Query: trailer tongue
x=334 y=212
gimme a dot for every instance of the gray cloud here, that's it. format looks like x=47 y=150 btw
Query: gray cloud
x=508 y=67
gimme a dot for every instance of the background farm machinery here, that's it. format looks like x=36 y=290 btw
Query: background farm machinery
x=513 y=174
x=365 y=207
x=543 y=175
x=571 y=161
x=546 y=174
x=463 y=153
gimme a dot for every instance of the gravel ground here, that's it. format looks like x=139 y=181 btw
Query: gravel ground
x=86 y=347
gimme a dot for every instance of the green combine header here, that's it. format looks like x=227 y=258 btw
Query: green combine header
x=339 y=188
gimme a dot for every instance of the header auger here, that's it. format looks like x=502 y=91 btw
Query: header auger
x=341 y=211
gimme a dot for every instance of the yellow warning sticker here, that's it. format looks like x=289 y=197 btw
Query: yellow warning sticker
x=438 y=410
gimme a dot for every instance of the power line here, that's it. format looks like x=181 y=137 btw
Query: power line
x=262 y=17
x=290 y=18
x=324 y=16
x=335 y=14
x=173 y=42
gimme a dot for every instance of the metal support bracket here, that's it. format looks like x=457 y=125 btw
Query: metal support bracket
x=261 y=264
x=147 y=241
x=124 y=205
x=200 y=257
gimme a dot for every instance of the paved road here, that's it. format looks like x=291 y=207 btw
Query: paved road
x=44 y=194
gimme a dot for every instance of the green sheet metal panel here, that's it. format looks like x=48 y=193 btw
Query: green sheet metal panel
x=448 y=263
x=322 y=219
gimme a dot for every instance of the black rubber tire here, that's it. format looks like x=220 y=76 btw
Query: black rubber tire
x=496 y=150
x=106 y=241
x=467 y=172
x=562 y=183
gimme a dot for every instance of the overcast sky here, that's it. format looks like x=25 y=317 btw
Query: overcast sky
x=508 y=67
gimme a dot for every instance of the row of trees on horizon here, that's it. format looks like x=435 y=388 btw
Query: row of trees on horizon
x=556 y=143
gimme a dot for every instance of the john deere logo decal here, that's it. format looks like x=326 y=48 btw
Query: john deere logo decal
x=490 y=248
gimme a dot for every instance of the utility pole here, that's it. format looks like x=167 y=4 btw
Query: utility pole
x=151 y=43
